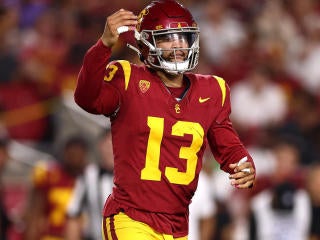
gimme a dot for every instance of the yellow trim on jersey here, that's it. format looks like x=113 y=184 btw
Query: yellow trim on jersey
x=108 y=229
x=127 y=71
x=126 y=67
x=222 y=85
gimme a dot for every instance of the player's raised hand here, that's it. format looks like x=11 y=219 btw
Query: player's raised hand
x=120 y=21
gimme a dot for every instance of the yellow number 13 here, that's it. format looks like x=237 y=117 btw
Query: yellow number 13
x=151 y=170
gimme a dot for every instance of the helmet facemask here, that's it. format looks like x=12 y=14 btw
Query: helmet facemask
x=173 y=60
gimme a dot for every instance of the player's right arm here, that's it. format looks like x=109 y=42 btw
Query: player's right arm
x=92 y=93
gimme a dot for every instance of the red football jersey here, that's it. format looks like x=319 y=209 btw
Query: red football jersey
x=57 y=186
x=158 y=141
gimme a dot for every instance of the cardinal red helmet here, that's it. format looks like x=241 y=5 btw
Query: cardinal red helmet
x=167 y=19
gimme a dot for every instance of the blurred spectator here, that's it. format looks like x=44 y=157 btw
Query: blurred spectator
x=42 y=50
x=281 y=211
x=258 y=103
x=30 y=11
x=52 y=189
x=220 y=191
x=274 y=28
x=303 y=124
x=304 y=56
x=224 y=226
x=26 y=92
x=274 y=34
x=8 y=59
x=202 y=208
x=220 y=22
x=4 y=218
x=313 y=183
x=26 y=113
x=84 y=210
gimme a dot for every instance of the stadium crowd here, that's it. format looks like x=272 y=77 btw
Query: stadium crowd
x=268 y=51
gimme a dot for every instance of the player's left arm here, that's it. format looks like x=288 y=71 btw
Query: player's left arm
x=74 y=228
x=228 y=151
x=227 y=148
x=34 y=215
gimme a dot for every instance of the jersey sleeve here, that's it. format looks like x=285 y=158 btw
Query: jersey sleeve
x=40 y=175
x=92 y=93
x=223 y=140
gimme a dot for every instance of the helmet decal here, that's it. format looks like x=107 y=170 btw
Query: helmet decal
x=140 y=17
x=158 y=27
x=178 y=24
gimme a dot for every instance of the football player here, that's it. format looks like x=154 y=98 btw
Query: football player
x=53 y=183
x=162 y=116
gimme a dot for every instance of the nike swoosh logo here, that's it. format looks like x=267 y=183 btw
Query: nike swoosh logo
x=202 y=100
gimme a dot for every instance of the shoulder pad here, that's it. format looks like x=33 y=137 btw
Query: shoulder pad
x=112 y=70
x=40 y=172
x=223 y=88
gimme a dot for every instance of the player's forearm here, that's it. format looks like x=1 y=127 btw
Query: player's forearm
x=90 y=80
x=207 y=228
x=73 y=229
x=34 y=217
x=226 y=146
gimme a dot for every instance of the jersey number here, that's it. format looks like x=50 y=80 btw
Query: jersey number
x=59 y=198
x=151 y=170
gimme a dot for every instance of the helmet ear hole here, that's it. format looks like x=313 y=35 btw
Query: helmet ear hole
x=140 y=46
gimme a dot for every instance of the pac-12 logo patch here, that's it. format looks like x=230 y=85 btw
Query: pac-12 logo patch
x=144 y=85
